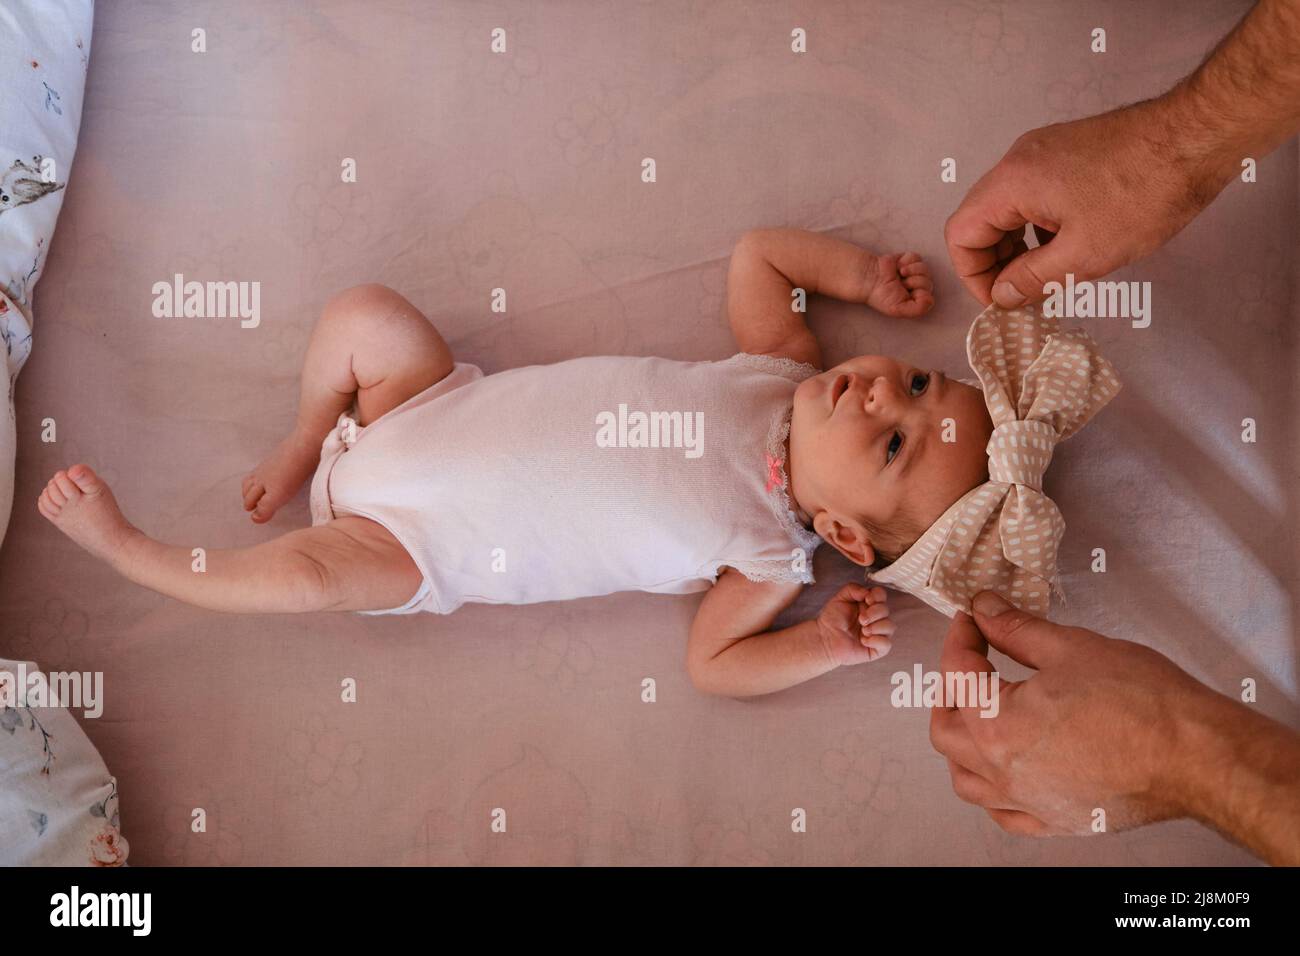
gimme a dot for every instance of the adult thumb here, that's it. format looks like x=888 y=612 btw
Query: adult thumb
x=1023 y=278
x=1024 y=638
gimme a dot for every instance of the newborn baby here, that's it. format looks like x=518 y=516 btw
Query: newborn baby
x=435 y=485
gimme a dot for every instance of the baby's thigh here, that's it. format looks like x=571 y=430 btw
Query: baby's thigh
x=396 y=352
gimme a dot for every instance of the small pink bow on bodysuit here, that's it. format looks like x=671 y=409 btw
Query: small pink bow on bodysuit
x=774 y=477
x=1040 y=385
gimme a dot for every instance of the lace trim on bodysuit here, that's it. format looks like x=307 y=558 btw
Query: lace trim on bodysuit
x=779 y=498
x=776 y=365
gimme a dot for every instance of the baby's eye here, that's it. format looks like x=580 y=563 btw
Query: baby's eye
x=918 y=383
x=895 y=443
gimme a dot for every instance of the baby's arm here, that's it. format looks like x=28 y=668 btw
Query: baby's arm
x=731 y=652
x=768 y=264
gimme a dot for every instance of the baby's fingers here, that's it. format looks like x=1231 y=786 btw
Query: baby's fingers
x=871 y=613
x=873 y=618
x=882 y=628
x=910 y=264
x=872 y=649
x=853 y=592
x=917 y=304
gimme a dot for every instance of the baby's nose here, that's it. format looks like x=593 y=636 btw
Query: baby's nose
x=882 y=393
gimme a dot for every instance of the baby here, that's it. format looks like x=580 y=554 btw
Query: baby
x=436 y=485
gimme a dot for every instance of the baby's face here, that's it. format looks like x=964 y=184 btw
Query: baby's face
x=867 y=446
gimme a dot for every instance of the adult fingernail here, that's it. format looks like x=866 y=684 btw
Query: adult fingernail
x=1007 y=295
x=990 y=604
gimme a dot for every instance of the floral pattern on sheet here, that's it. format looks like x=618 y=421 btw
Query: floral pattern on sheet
x=13 y=719
x=47 y=81
x=108 y=847
x=44 y=50
x=40 y=802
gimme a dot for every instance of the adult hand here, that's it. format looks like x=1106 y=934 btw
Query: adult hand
x=1111 y=725
x=1092 y=729
x=1114 y=187
x=1100 y=193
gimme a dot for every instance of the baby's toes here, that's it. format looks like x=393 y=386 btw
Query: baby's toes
x=55 y=493
x=85 y=479
x=265 y=509
x=66 y=485
x=253 y=492
x=46 y=505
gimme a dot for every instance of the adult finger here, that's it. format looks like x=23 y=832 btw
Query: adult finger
x=1024 y=277
x=951 y=737
x=964 y=648
x=1019 y=822
x=973 y=788
x=1023 y=637
x=973 y=233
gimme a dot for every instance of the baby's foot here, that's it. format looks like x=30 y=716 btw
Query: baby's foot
x=278 y=478
x=903 y=286
x=81 y=506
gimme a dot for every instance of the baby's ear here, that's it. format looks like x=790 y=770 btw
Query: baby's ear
x=848 y=538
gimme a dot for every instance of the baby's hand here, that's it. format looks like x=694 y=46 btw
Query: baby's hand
x=855 y=625
x=903 y=286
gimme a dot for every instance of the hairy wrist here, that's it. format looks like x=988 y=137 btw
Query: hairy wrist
x=1195 y=756
x=1256 y=797
x=1197 y=155
x=1220 y=770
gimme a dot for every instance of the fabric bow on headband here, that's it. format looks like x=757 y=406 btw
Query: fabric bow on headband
x=1041 y=385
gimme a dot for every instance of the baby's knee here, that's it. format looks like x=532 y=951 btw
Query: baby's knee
x=375 y=314
x=366 y=300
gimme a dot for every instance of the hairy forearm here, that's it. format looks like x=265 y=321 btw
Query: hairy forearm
x=1240 y=774
x=765 y=663
x=1243 y=101
x=816 y=263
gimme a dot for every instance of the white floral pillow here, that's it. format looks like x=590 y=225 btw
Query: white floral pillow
x=44 y=50
x=58 y=802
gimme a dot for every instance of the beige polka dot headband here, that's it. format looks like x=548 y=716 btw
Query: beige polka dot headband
x=1041 y=385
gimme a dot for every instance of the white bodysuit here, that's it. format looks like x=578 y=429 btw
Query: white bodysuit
x=586 y=477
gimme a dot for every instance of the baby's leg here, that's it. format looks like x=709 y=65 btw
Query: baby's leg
x=370 y=345
x=349 y=564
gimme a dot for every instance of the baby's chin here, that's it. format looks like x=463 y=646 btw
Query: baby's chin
x=804 y=394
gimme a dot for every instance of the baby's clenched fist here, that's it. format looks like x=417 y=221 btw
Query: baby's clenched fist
x=855 y=625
